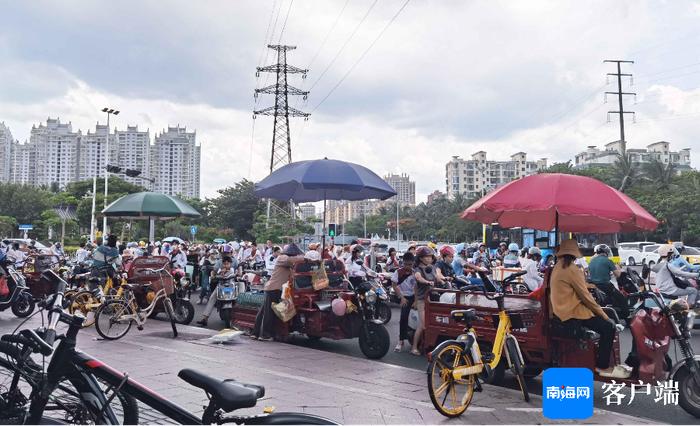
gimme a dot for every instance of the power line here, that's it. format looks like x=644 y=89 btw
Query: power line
x=285 y=21
x=330 y=30
x=267 y=33
x=335 y=58
x=386 y=27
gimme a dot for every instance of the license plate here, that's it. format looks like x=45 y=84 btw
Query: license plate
x=228 y=290
x=227 y=305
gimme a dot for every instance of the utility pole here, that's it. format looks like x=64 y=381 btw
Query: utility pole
x=281 y=136
x=621 y=112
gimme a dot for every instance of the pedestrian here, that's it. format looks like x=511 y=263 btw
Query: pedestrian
x=403 y=283
x=265 y=319
x=426 y=279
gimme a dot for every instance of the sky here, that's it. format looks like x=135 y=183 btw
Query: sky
x=401 y=95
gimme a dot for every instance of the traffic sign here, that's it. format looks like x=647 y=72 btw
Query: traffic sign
x=25 y=227
x=331 y=229
x=193 y=229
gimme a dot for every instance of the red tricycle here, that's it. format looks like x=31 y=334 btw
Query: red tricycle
x=34 y=267
x=314 y=316
x=546 y=342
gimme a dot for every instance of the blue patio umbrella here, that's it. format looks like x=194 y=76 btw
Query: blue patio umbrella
x=316 y=180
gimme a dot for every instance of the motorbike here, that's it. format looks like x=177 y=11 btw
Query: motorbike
x=374 y=338
x=19 y=299
x=184 y=310
x=628 y=283
x=382 y=310
x=227 y=291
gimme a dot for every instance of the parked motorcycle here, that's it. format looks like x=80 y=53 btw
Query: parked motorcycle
x=19 y=298
x=374 y=338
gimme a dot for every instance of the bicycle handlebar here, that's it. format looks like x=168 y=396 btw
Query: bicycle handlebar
x=482 y=289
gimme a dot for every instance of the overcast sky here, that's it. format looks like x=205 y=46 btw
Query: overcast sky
x=446 y=78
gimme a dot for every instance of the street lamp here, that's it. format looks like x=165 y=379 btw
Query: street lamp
x=109 y=112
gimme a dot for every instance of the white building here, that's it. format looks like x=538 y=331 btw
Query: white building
x=134 y=153
x=56 y=148
x=307 y=211
x=23 y=164
x=404 y=187
x=594 y=157
x=91 y=158
x=6 y=144
x=175 y=162
x=476 y=176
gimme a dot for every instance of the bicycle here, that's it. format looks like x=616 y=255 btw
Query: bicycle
x=458 y=363
x=83 y=371
x=126 y=311
x=88 y=301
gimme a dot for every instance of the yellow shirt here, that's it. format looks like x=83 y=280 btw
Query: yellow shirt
x=570 y=296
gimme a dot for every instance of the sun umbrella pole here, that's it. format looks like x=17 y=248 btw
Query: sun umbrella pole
x=556 y=230
x=151 y=229
x=323 y=237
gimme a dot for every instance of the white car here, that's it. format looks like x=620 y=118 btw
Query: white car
x=650 y=254
x=631 y=253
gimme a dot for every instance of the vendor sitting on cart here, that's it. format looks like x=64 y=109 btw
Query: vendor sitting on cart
x=574 y=305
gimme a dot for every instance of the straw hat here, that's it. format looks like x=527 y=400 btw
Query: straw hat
x=569 y=247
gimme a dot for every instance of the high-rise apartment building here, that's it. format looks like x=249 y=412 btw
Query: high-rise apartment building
x=476 y=176
x=405 y=188
x=175 y=162
x=56 y=148
x=91 y=158
x=134 y=152
x=6 y=145
x=55 y=155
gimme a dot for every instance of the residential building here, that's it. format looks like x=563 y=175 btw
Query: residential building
x=6 y=145
x=91 y=157
x=435 y=195
x=476 y=176
x=307 y=211
x=23 y=164
x=340 y=212
x=404 y=187
x=134 y=153
x=175 y=162
x=56 y=148
x=660 y=151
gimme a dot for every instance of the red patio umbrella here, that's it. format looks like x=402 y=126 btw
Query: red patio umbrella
x=559 y=201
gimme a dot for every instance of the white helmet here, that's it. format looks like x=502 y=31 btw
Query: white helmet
x=665 y=250
x=535 y=251
x=235 y=246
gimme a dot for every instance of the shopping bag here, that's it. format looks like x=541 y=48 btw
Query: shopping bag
x=319 y=278
x=284 y=310
x=4 y=289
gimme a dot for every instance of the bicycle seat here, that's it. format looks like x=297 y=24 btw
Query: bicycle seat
x=463 y=315
x=228 y=395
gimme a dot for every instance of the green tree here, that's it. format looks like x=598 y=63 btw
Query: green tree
x=8 y=226
x=659 y=174
x=625 y=171
x=236 y=208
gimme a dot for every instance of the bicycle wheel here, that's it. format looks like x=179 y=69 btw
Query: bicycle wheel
x=110 y=319
x=85 y=303
x=451 y=397
x=171 y=314
x=65 y=403
x=516 y=366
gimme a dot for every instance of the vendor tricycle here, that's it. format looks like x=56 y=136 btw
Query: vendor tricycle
x=336 y=309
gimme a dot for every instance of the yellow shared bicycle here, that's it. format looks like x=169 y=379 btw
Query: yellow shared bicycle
x=455 y=365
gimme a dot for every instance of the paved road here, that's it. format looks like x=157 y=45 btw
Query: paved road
x=640 y=407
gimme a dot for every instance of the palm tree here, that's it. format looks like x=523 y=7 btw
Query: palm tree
x=659 y=174
x=624 y=170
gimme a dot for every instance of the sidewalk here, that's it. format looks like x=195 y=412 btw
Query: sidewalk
x=345 y=389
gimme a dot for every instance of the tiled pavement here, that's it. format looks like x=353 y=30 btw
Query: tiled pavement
x=345 y=389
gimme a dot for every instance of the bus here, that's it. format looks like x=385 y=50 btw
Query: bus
x=493 y=235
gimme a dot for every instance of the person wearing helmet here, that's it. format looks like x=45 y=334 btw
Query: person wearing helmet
x=533 y=279
x=574 y=305
x=403 y=282
x=426 y=279
x=412 y=247
x=681 y=262
x=502 y=251
x=600 y=271
x=511 y=259
x=670 y=278
x=444 y=270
